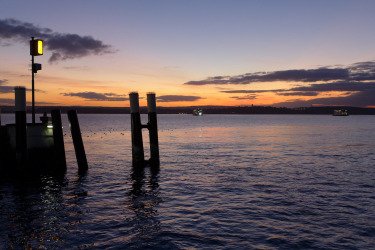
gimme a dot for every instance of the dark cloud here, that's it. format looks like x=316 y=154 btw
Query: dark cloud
x=43 y=103
x=10 y=89
x=356 y=72
x=303 y=93
x=312 y=89
x=5 y=89
x=70 y=46
x=337 y=86
x=359 y=99
x=14 y=29
x=355 y=83
x=93 y=96
x=353 y=94
x=303 y=75
x=247 y=97
x=62 y=46
x=177 y=98
x=250 y=91
x=360 y=94
x=363 y=71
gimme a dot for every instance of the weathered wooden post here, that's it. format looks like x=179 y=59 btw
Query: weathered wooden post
x=153 y=129
x=1 y=140
x=58 y=141
x=21 y=129
x=136 y=130
x=77 y=141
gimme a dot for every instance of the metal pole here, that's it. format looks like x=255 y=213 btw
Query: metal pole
x=32 y=86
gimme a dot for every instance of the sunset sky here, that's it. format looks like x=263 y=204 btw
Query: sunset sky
x=192 y=52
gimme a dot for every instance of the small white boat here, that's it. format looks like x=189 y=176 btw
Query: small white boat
x=340 y=112
x=197 y=112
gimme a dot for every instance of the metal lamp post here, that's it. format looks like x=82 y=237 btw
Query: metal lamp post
x=36 y=49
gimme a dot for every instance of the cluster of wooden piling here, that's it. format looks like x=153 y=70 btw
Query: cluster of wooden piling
x=35 y=147
x=136 y=131
x=38 y=147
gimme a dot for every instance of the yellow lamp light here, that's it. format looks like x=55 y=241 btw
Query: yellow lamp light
x=40 y=47
x=36 y=47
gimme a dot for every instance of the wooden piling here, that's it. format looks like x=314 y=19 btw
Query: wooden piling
x=77 y=141
x=58 y=141
x=21 y=127
x=1 y=140
x=153 y=129
x=136 y=131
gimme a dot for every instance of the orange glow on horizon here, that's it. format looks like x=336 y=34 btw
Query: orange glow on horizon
x=87 y=87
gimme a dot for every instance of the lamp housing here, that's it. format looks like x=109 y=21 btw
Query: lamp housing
x=36 y=47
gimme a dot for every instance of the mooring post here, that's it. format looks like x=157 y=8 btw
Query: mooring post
x=153 y=129
x=58 y=140
x=136 y=130
x=1 y=139
x=77 y=141
x=21 y=129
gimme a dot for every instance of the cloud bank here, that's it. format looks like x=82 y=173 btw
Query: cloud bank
x=62 y=46
x=363 y=71
x=303 y=75
x=5 y=89
x=177 y=98
x=355 y=83
x=93 y=96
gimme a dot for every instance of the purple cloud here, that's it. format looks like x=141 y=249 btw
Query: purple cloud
x=62 y=46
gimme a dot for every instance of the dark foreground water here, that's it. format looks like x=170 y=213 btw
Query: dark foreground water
x=225 y=182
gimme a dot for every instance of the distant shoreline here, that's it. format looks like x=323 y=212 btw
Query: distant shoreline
x=206 y=110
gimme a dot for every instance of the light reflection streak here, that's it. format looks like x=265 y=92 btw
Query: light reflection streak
x=35 y=213
x=143 y=199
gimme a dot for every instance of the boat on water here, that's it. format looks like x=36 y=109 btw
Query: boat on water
x=340 y=112
x=197 y=112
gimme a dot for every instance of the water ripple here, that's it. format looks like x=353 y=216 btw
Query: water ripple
x=225 y=182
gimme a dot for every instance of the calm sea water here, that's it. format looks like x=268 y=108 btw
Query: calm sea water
x=225 y=182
